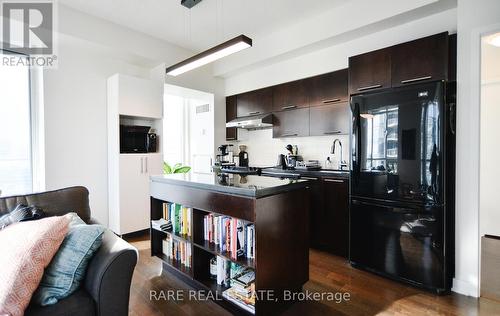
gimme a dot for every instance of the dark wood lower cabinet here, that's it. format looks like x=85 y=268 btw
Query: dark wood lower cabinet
x=336 y=192
x=316 y=212
x=329 y=215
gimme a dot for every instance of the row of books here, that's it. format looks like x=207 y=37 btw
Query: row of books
x=180 y=217
x=230 y=234
x=241 y=284
x=240 y=281
x=177 y=250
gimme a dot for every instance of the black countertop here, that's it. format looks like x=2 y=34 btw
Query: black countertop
x=323 y=173
x=252 y=186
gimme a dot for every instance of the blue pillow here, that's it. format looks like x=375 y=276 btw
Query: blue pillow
x=67 y=269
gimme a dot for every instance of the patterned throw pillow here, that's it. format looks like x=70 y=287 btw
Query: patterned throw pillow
x=26 y=249
x=67 y=270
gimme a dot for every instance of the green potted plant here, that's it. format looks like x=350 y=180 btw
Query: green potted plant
x=177 y=168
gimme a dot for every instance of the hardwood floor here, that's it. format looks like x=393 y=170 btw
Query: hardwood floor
x=369 y=294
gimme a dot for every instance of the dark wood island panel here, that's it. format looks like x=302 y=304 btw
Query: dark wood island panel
x=280 y=214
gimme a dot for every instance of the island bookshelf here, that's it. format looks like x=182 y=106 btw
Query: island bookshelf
x=281 y=240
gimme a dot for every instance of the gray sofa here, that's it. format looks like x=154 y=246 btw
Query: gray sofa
x=107 y=283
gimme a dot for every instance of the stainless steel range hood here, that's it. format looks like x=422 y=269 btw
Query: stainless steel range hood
x=252 y=122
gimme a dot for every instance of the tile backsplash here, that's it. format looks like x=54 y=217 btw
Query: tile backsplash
x=263 y=149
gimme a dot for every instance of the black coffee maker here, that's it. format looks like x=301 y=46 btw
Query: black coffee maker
x=223 y=157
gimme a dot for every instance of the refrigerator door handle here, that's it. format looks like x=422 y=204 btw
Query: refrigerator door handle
x=356 y=138
x=394 y=209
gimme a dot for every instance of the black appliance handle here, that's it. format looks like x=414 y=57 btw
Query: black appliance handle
x=356 y=138
x=452 y=118
x=393 y=209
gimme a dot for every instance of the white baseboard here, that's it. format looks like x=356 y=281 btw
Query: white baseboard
x=465 y=288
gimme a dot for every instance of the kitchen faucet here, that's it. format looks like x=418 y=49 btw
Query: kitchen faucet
x=342 y=163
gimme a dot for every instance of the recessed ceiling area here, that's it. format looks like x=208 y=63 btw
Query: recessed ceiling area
x=206 y=24
x=490 y=57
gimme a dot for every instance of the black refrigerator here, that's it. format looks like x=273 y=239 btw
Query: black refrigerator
x=402 y=184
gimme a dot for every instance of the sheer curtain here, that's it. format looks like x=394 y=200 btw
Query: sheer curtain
x=16 y=169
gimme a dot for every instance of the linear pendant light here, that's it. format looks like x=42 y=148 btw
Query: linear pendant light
x=222 y=50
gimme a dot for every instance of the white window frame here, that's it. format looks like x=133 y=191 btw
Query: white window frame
x=37 y=127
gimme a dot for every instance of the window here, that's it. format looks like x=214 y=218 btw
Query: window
x=16 y=163
x=382 y=140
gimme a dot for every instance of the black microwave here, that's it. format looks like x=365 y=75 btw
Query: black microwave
x=137 y=139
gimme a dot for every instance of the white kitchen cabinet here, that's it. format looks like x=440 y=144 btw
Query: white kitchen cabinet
x=138 y=102
x=134 y=195
x=137 y=97
x=129 y=212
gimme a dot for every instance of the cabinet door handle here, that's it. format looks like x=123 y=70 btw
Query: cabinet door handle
x=146 y=163
x=416 y=79
x=309 y=178
x=330 y=101
x=334 y=180
x=288 y=107
x=369 y=87
x=142 y=164
x=332 y=132
x=287 y=135
x=230 y=138
x=253 y=113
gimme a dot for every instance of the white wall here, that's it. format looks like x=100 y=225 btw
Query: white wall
x=263 y=150
x=75 y=121
x=202 y=79
x=336 y=57
x=473 y=19
x=490 y=143
x=490 y=152
x=91 y=50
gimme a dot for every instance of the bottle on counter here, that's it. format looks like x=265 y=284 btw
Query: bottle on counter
x=328 y=163
x=243 y=156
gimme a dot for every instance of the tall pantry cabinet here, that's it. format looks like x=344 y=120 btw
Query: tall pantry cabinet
x=132 y=101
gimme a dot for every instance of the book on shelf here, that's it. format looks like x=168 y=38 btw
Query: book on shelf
x=177 y=250
x=242 y=288
x=231 y=235
x=223 y=271
x=250 y=244
x=166 y=210
x=179 y=216
x=161 y=225
x=239 y=300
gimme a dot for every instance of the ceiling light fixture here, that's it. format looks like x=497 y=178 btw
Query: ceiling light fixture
x=494 y=40
x=217 y=52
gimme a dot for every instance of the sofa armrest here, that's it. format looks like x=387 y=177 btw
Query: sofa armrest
x=109 y=275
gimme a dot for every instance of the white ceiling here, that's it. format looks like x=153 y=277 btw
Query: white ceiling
x=490 y=60
x=208 y=23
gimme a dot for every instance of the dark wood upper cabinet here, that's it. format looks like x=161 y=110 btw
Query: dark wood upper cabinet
x=291 y=123
x=231 y=132
x=370 y=71
x=254 y=102
x=420 y=60
x=331 y=119
x=328 y=88
x=290 y=95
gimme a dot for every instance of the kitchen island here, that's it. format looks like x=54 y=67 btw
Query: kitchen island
x=278 y=211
